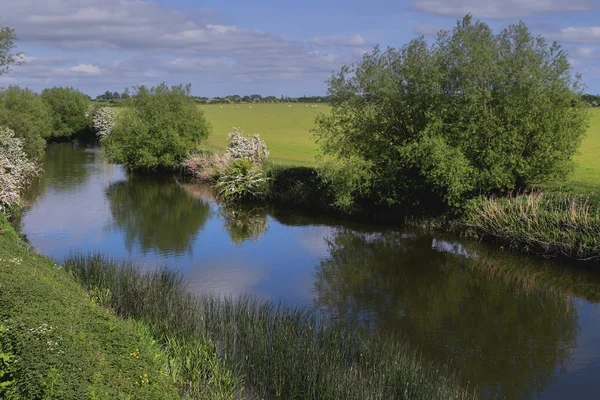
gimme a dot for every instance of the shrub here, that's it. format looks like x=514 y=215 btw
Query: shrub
x=157 y=129
x=206 y=167
x=252 y=149
x=15 y=169
x=70 y=111
x=24 y=112
x=242 y=181
x=104 y=120
x=473 y=113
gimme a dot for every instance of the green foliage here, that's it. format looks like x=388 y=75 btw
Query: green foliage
x=57 y=344
x=475 y=112
x=274 y=351
x=28 y=116
x=242 y=181
x=70 y=111
x=158 y=128
x=7 y=43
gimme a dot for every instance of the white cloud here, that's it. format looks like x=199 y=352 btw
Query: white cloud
x=354 y=40
x=588 y=34
x=163 y=44
x=86 y=69
x=495 y=9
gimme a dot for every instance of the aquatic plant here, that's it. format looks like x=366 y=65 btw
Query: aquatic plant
x=242 y=181
x=274 y=351
x=547 y=223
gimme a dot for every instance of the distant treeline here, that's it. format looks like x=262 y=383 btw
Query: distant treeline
x=115 y=97
x=591 y=99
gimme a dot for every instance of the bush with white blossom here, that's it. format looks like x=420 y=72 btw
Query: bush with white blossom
x=16 y=170
x=252 y=149
x=104 y=120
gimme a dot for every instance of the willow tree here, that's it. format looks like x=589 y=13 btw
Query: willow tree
x=474 y=112
x=7 y=44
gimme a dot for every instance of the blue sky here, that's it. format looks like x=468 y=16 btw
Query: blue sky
x=267 y=47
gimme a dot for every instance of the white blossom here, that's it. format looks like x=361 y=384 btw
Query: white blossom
x=104 y=120
x=16 y=170
x=252 y=149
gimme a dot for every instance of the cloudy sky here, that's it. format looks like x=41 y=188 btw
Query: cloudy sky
x=261 y=46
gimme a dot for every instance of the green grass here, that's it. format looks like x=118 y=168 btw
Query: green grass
x=285 y=129
x=586 y=175
x=59 y=342
x=287 y=133
x=551 y=224
x=276 y=351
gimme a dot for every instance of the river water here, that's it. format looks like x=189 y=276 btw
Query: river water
x=513 y=326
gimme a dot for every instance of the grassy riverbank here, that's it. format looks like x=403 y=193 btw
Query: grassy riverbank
x=274 y=351
x=555 y=224
x=56 y=342
x=144 y=336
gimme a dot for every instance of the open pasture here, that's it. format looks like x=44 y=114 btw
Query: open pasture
x=586 y=176
x=285 y=128
x=287 y=131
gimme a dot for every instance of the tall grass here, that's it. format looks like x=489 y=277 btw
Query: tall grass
x=274 y=351
x=545 y=223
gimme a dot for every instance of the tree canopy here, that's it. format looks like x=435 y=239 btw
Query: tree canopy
x=7 y=44
x=70 y=111
x=158 y=128
x=28 y=116
x=474 y=112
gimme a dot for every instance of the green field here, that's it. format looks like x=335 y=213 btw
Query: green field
x=287 y=133
x=286 y=129
x=586 y=176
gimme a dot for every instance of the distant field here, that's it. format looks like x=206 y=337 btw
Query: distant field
x=587 y=169
x=285 y=129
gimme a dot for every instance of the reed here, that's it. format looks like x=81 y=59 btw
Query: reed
x=551 y=224
x=274 y=351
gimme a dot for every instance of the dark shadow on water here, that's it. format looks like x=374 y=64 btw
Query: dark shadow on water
x=505 y=325
x=156 y=214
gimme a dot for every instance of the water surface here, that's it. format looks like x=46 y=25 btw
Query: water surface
x=516 y=327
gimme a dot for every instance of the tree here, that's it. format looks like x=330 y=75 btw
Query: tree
x=158 y=128
x=28 y=116
x=474 y=113
x=70 y=111
x=7 y=44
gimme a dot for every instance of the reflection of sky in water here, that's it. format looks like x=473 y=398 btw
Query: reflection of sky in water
x=278 y=264
x=78 y=220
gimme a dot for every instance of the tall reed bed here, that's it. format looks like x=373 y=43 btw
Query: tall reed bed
x=546 y=223
x=273 y=351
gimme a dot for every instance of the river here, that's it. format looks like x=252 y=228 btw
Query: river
x=513 y=326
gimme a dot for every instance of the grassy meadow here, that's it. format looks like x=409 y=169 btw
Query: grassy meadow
x=287 y=133
x=285 y=128
x=586 y=176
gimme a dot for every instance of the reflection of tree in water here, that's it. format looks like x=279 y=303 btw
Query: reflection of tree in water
x=65 y=168
x=157 y=215
x=501 y=335
x=244 y=223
